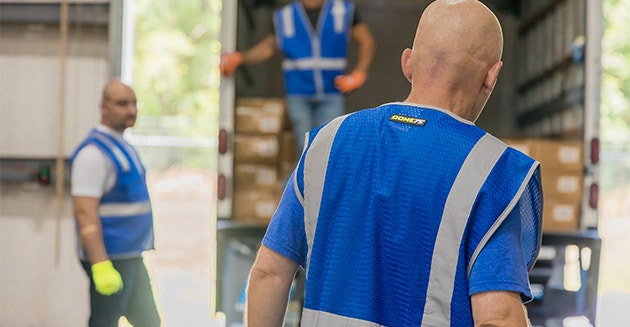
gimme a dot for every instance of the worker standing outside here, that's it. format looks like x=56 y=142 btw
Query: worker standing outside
x=408 y=214
x=113 y=213
x=313 y=37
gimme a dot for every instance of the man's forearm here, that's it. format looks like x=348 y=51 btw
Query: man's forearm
x=267 y=300
x=513 y=321
x=366 y=47
x=89 y=228
x=499 y=309
x=268 y=290
x=92 y=240
x=260 y=52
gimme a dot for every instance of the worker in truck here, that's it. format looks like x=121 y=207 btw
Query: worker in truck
x=313 y=37
x=114 y=217
x=408 y=214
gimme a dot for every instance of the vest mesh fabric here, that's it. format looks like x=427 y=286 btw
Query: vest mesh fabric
x=374 y=238
x=129 y=234
x=313 y=57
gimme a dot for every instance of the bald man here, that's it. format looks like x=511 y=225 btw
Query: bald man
x=113 y=216
x=408 y=214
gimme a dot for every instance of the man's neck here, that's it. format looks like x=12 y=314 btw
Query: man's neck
x=110 y=130
x=312 y=4
x=459 y=103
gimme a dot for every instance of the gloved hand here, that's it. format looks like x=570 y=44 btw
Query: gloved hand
x=230 y=62
x=350 y=82
x=106 y=278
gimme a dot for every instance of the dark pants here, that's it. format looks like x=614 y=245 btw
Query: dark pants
x=135 y=302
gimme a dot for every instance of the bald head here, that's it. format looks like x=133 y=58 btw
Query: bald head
x=118 y=106
x=464 y=27
x=457 y=44
x=113 y=86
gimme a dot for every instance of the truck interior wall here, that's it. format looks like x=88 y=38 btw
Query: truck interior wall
x=260 y=80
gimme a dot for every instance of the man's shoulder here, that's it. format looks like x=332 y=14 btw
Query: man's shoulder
x=89 y=154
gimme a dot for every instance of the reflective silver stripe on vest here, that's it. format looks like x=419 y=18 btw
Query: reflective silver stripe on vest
x=120 y=156
x=502 y=217
x=311 y=318
x=124 y=209
x=471 y=177
x=315 y=165
x=287 y=21
x=338 y=13
x=314 y=63
x=318 y=79
x=296 y=187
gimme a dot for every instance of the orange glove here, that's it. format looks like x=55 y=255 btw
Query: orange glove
x=350 y=82
x=230 y=62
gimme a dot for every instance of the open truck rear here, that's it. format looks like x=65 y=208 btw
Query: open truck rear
x=546 y=104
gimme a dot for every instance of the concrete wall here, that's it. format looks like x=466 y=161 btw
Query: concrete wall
x=41 y=280
x=31 y=87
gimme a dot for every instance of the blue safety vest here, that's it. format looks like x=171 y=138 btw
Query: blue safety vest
x=398 y=202
x=313 y=58
x=126 y=215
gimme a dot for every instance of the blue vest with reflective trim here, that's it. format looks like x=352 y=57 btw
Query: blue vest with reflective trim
x=126 y=216
x=398 y=202
x=313 y=58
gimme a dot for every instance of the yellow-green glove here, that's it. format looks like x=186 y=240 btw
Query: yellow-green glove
x=106 y=278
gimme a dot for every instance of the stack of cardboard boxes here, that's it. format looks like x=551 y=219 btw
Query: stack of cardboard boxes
x=562 y=180
x=264 y=155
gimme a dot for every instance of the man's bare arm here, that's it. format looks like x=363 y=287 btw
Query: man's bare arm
x=89 y=225
x=261 y=51
x=366 y=46
x=498 y=309
x=268 y=292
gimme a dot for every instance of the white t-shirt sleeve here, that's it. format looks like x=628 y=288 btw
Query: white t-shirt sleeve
x=92 y=173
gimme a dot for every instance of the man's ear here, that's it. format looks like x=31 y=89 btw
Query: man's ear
x=491 y=77
x=405 y=63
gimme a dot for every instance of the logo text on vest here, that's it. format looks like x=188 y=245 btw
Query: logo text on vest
x=408 y=120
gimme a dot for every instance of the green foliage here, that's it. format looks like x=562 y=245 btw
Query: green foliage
x=615 y=106
x=176 y=57
x=176 y=75
x=615 y=95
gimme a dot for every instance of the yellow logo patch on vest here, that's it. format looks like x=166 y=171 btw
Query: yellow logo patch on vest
x=408 y=120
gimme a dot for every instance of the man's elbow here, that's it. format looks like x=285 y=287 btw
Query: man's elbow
x=499 y=309
x=505 y=318
x=260 y=273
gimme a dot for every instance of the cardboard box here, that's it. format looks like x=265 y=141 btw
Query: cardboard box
x=260 y=116
x=256 y=149
x=559 y=155
x=563 y=186
x=560 y=216
x=250 y=177
x=552 y=155
x=255 y=206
